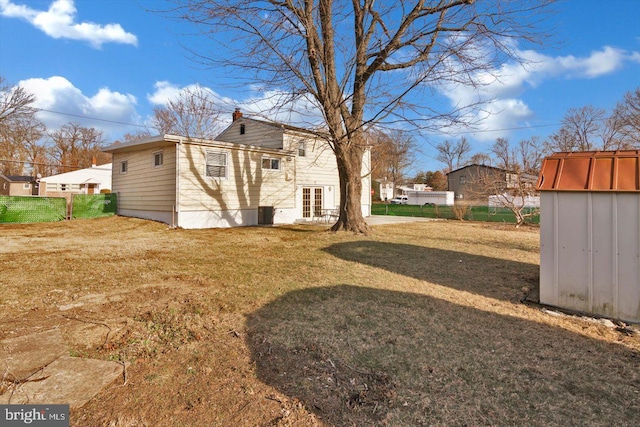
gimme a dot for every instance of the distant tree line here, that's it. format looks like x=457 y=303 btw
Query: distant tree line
x=582 y=129
x=28 y=147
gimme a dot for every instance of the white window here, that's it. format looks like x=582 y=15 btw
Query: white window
x=216 y=164
x=302 y=149
x=124 y=166
x=270 y=163
x=157 y=159
x=26 y=186
x=463 y=179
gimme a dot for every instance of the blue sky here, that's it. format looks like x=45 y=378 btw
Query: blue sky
x=112 y=60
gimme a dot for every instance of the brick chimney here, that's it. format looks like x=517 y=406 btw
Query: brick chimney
x=236 y=114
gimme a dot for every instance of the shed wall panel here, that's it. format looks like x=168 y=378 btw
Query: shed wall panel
x=573 y=251
x=628 y=256
x=548 y=248
x=603 y=232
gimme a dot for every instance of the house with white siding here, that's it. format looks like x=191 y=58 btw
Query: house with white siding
x=255 y=172
x=93 y=180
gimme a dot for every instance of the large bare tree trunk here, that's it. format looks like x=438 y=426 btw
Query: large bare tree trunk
x=349 y=159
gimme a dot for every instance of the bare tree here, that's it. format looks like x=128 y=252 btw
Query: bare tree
x=15 y=101
x=22 y=142
x=525 y=157
x=18 y=126
x=391 y=154
x=361 y=62
x=194 y=114
x=505 y=189
x=75 y=147
x=504 y=154
x=587 y=129
x=531 y=152
x=626 y=119
x=481 y=159
x=453 y=155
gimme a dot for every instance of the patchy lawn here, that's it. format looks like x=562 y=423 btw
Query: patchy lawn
x=417 y=324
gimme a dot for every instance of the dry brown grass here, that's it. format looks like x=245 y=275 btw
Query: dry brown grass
x=417 y=324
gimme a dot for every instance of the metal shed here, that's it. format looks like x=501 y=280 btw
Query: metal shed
x=590 y=232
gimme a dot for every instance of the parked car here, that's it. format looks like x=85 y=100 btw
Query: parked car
x=400 y=200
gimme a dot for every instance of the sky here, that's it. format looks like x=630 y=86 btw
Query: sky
x=108 y=63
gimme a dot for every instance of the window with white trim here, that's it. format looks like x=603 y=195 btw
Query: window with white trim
x=216 y=164
x=124 y=166
x=302 y=149
x=26 y=186
x=270 y=163
x=158 y=159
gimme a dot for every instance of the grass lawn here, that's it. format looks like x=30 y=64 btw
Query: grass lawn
x=416 y=324
x=475 y=213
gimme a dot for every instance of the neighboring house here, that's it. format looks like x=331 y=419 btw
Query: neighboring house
x=255 y=172
x=466 y=182
x=590 y=233
x=387 y=189
x=93 y=180
x=18 y=185
x=414 y=187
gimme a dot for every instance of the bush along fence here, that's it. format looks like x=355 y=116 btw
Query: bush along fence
x=25 y=209
x=470 y=213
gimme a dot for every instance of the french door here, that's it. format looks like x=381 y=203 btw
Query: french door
x=311 y=202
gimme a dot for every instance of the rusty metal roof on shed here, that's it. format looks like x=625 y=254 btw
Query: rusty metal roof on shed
x=616 y=171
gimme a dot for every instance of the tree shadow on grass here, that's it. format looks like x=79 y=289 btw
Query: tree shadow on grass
x=362 y=356
x=491 y=277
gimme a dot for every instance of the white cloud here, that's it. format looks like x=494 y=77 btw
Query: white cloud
x=59 y=22
x=64 y=103
x=500 y=90
x=263 y=104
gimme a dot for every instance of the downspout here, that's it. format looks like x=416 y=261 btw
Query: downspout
x=176 y=208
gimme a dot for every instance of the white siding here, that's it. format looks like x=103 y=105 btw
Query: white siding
x=590 y=252
x=145 y=187
x=233 y=200
x=256 y=133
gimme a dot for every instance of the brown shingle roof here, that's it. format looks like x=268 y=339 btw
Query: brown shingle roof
x=591 y=171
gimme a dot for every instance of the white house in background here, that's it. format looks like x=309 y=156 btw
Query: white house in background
x=387 y=189
x=93 y=180
x=255 y=172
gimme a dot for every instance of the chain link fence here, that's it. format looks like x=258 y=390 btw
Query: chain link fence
x=25 y=209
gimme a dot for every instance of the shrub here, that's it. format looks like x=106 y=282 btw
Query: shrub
x=460 y=211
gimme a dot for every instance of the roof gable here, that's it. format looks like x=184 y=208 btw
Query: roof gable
x=283 y=128
x=617 y=171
